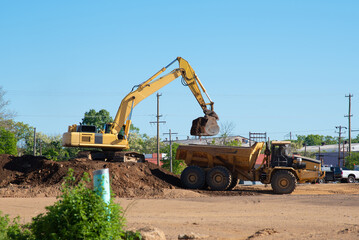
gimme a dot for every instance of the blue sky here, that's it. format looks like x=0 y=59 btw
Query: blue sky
x=269 y=66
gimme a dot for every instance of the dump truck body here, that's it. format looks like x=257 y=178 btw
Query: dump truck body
x=220 y=167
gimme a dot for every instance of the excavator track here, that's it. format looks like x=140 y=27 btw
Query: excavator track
x=112 y=156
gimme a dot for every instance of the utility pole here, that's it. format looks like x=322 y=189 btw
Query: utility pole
x=34 y=141
x=40 y=143
x=170 y=137
x=340 y=138
x=158 y=127
x=349 y=122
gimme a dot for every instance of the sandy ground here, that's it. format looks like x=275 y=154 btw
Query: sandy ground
x=327 y=211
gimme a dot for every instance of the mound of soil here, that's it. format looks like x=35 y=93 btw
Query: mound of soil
x=39 y=176
x=30 y=176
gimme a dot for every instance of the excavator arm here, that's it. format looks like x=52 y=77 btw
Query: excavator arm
x=203 y=126
x=114 y=139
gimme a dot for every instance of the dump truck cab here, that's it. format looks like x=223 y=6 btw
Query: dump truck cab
x=281 y=156
x=283 y=170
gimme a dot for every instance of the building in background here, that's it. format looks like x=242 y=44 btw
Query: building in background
x=152 y=158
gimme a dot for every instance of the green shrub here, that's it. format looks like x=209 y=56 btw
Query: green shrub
x=13 y=230
x=81 y=214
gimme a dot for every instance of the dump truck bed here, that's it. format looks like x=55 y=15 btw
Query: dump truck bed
x=208 y=156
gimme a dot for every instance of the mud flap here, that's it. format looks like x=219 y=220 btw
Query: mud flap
x=204 y=126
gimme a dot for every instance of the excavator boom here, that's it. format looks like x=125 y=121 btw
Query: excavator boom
x=203 y=126
x=115 y=136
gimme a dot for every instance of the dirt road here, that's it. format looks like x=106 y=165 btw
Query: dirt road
x=328 y=211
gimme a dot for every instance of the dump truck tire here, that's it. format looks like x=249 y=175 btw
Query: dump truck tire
x=283 y=182
x=219 y=178
x=193 y=177
x=234 y=183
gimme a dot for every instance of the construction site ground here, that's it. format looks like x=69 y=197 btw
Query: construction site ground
x=153 y=197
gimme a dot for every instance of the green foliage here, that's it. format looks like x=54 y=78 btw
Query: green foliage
x=233 y=143
x=142 y=142
x=315 y=140
x=13 y=230
x=355 y=140
x=98 y=119
x=80 y=214
x=352 y=160
x=177 y=165
x=7 y=142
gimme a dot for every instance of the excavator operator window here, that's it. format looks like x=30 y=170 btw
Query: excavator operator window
x=122 y=132
x=87 y=128
x=107 y=127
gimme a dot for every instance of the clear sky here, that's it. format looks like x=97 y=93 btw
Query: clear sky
x=269 y=66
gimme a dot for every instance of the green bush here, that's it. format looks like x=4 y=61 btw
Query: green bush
x=79 y=214
x=13 y=230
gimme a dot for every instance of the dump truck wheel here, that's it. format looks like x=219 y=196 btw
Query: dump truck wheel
x=234 y=183
x=193 y=177
x=283 y=182
x=219 y=178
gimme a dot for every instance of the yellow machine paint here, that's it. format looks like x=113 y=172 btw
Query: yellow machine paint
x=115 y=137
x=220 y=167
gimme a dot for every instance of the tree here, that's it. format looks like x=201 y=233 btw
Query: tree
x=142 y=142
x=313 y=140
x=177 y=165
x=226 y=131
x=352 y=160
x=5 y=114
x=355 y=140
x=98 y=119
x=7 y=142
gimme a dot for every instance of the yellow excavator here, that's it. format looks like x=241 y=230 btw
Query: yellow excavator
x=113 y=140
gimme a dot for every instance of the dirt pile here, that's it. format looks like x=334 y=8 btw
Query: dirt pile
x=30 y=176
x=38 y=176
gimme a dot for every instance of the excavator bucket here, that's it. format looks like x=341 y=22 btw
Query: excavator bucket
x=205 y=126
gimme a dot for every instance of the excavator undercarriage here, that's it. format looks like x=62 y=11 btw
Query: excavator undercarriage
x=112 y=156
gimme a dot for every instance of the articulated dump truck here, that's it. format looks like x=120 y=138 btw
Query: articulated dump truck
x=221 y=167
